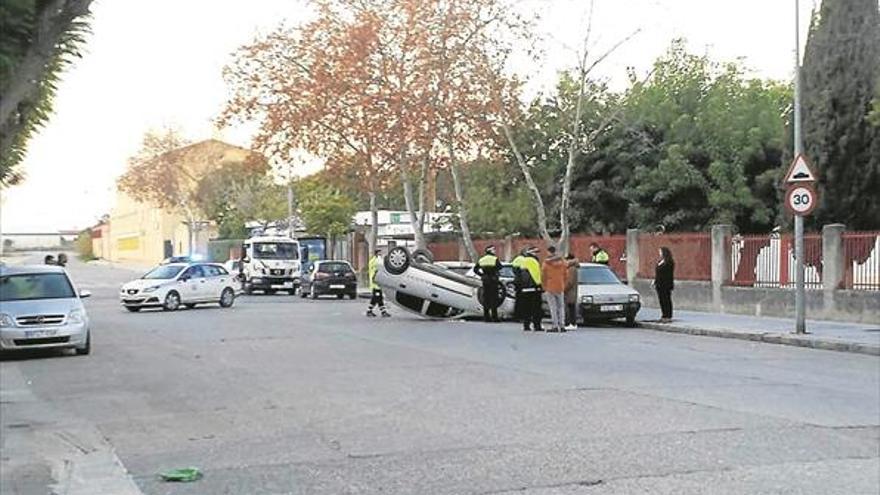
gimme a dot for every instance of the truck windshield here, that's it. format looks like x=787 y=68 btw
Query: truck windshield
x=597 y=275
x=276 y=251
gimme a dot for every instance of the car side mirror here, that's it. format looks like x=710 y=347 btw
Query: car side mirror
x=184 y=278
x=625 y=282
x=84 y=294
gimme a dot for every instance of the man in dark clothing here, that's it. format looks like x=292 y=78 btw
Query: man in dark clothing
x=48 y=259
x=488 y=268
x=61 y=260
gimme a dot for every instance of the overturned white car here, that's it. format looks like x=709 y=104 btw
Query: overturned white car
x=416 y=284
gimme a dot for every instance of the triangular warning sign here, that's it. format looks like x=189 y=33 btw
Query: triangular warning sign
x=800 y=171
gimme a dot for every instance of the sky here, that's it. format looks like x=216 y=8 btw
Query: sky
x=151 y=63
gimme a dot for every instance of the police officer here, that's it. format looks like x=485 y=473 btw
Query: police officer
x=599 y=254
x=530 y=290
x=48 y=259
x=518 y=302
x=61 y=260
x=488 y=268
x=376 y=298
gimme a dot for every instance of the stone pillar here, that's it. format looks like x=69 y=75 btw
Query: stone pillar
x=833 y=269
x=632 y=255
x=721 y=269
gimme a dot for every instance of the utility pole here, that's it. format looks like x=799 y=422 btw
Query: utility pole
x=800 y=325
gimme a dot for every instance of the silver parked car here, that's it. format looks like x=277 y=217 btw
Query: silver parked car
x=415 y=283
x=602 y=296
x=40 y=308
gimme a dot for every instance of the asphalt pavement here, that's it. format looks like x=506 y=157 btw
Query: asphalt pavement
x=281 y=395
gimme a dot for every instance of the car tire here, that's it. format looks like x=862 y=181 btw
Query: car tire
x=269 y=292
x=292 y=292
x=353 y=295
x=340 y=296
x=133 y=309
x=397 y=261
x=227 y=298
x=423 y=256
x=86 y=349
x=631 y=320
x=172 y=301
x=302 y=292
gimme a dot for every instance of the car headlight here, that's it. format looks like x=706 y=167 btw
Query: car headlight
x=76 y=317
x=587 y=299
x=633 y=298
x=6 y=321
x=151 y=289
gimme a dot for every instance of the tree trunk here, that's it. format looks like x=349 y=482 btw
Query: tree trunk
x=423 y=184
x=414 y=216
x=540 y=210
x=462 y=213
x=565 y=228
x=373 y=235
x=331 y=247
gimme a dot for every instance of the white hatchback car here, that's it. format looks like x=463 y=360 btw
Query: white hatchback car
x=40 y=309
x=175 y=284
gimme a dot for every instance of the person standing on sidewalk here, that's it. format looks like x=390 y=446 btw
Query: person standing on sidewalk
x=664 y=283
x=571 y=292
x=376 y=298
x=554 y=275
x=529 y=281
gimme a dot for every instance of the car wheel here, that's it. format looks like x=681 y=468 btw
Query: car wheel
x=189 y=305
x=269 y=292
x=340 y=296
x=397 y=260
x=86 y=349
x=302 y=293
x=423 y=256
x=172 y=301
x=353 y=295
x=292 y=292
x=313 y=293
x=227 y=297
x=133 y=309
x=631 y=320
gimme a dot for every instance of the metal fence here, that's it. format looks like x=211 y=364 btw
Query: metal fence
x=692 y=253
x=861 y=254
x=768 y=261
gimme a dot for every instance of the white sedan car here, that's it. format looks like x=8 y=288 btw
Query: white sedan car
x=175 y=284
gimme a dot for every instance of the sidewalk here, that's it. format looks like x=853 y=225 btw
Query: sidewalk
x=827 y=335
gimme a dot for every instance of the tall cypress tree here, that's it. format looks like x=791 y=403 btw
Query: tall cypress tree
x=841 y=72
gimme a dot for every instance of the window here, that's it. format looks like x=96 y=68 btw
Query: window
x=194 y=272
x=275 y=251
x=334 y=267
x=164 y=272
x=35 y=286
x=597 y=275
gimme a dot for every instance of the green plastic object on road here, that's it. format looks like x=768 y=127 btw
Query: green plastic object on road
x=182 y=475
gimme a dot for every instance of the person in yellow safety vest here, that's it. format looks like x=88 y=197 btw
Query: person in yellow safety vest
x=376 y=298
x=489 y=268
x=599 y=254
x=516 y=264
x=529 y=281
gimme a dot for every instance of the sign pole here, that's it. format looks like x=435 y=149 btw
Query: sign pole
x=800 y=325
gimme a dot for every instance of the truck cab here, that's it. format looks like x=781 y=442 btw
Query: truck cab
x=270 y=264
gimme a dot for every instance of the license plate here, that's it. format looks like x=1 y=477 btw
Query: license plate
x=285 y=285
x=337 y=286
x=611 y=307
x=35 y=334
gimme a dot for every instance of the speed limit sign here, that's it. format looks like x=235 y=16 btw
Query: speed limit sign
x=801 y=199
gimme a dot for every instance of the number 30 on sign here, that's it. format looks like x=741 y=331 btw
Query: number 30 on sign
x=801 y=199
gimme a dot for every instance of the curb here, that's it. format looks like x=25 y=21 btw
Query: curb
x=769 y=338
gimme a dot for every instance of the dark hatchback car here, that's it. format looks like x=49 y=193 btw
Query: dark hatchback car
x=333 y=277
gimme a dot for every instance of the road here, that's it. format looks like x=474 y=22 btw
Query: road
x=280 y=395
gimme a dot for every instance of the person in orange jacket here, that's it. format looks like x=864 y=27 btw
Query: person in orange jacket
x=555 y=273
